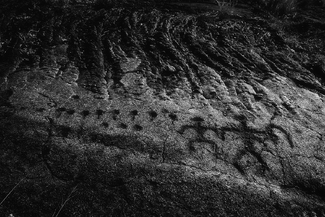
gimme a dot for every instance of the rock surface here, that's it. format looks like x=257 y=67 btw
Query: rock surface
x=168 y=110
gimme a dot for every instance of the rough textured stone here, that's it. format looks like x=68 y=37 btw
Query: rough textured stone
x=162 y=111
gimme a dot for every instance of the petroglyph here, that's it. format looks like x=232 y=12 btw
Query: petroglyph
x=71 y=111
x=99 y=113
x=59 y=111
x=153 y=115
x=200 y=136
x=75 y=97
x=123 y=126
x=137 y=127
x=247 y=135
x=115 y=112
x=133 y=114
x=173 y=117
x=85 y=113
x=105 y=124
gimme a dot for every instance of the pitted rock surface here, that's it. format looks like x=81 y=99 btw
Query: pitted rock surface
x=162 y=111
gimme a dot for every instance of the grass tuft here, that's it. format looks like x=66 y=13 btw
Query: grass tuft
x=4 y=199
x=56 y=214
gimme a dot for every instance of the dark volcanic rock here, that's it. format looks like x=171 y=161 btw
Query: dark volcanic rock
x=160 y=110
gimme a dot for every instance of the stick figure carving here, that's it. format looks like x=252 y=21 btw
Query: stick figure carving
x=248 y=135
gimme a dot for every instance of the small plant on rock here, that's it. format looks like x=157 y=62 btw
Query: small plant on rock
x=226 y=7
x=4 y=199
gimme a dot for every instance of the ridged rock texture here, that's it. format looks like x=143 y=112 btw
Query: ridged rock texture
x=174 y=109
